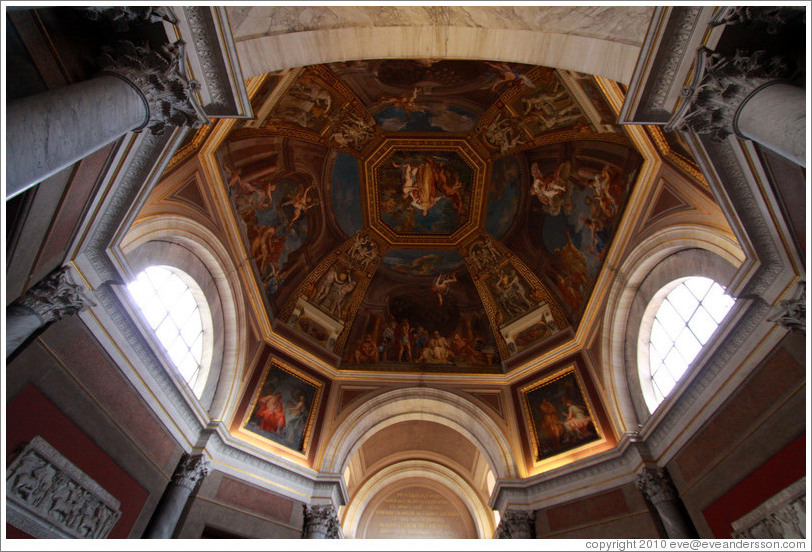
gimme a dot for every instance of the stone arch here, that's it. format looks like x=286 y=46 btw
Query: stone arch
x=664 y=256
x=421 y=403
x=190 y=246
x=598 y=49
x=423 y=469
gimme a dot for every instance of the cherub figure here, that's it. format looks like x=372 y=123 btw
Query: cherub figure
x=442 y=284
x=406 y=102
x=300 y=204
x=549 y=190
x=509 y=75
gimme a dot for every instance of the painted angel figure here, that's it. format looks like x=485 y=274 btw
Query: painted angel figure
x=300 y=204
x=551 y=189
x=442 y=284
x=509 y=75
x=406 y=102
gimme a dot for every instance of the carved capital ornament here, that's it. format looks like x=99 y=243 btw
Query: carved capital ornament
x=162 y=81
x=656 y=485
x=720 y=86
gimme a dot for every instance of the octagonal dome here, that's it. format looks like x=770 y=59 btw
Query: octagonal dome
x=427 y=215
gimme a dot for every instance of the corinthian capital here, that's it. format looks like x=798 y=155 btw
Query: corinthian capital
x=55 y=296
x=719 y=87
x=190 y=471
x=656 y=485
x=320 y=522
x=516 y=524
x=162 y=80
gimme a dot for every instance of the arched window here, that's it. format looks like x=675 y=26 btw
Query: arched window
x=176 y=309
x=688 y=311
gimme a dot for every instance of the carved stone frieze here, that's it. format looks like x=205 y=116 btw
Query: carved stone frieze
x=162 y=81
x=516 y=524
x=320 y=522
x=782 y=516
x=720 y=86
x=656 y=485
x=55 y=297
x=207 y=49
x=49 y=497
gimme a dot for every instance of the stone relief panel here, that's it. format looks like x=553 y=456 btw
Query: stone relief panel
x=49 y=497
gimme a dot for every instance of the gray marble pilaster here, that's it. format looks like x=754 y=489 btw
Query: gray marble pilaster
x=52 y=298
x=656 y=486
x=188 y=475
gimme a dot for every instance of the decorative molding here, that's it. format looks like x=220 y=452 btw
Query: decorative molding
x=213 y=60
x=162 y=81
x=47 y=496
x=55 y=297
x=516 y=524
x=673 y=46
x=139 y=173
x=783 y=516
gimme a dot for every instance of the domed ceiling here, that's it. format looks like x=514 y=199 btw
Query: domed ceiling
x=428 y=215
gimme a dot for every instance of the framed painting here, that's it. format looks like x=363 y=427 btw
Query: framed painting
x=558 y=412
x=284 y=406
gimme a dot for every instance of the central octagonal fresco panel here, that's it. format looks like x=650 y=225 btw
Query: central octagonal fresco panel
x=420 y=192
x=424 y=192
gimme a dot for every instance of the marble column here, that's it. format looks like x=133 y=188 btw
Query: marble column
x=745 y=95
x=516 y=524
x=188 y=475
x=49 y=300
x=656 y=486
x=139 y=88
x=320 y=522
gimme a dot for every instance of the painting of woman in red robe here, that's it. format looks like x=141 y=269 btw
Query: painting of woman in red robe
x=284 y=407
x=271 y=413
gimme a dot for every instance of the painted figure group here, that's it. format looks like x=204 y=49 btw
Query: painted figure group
x=400 y=342
x=427 y=183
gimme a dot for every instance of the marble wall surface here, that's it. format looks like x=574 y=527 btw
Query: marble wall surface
x=590 y=39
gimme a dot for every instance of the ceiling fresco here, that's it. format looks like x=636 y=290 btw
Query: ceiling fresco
x=428 y=215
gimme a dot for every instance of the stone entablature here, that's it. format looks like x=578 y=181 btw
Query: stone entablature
x=47 y=496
